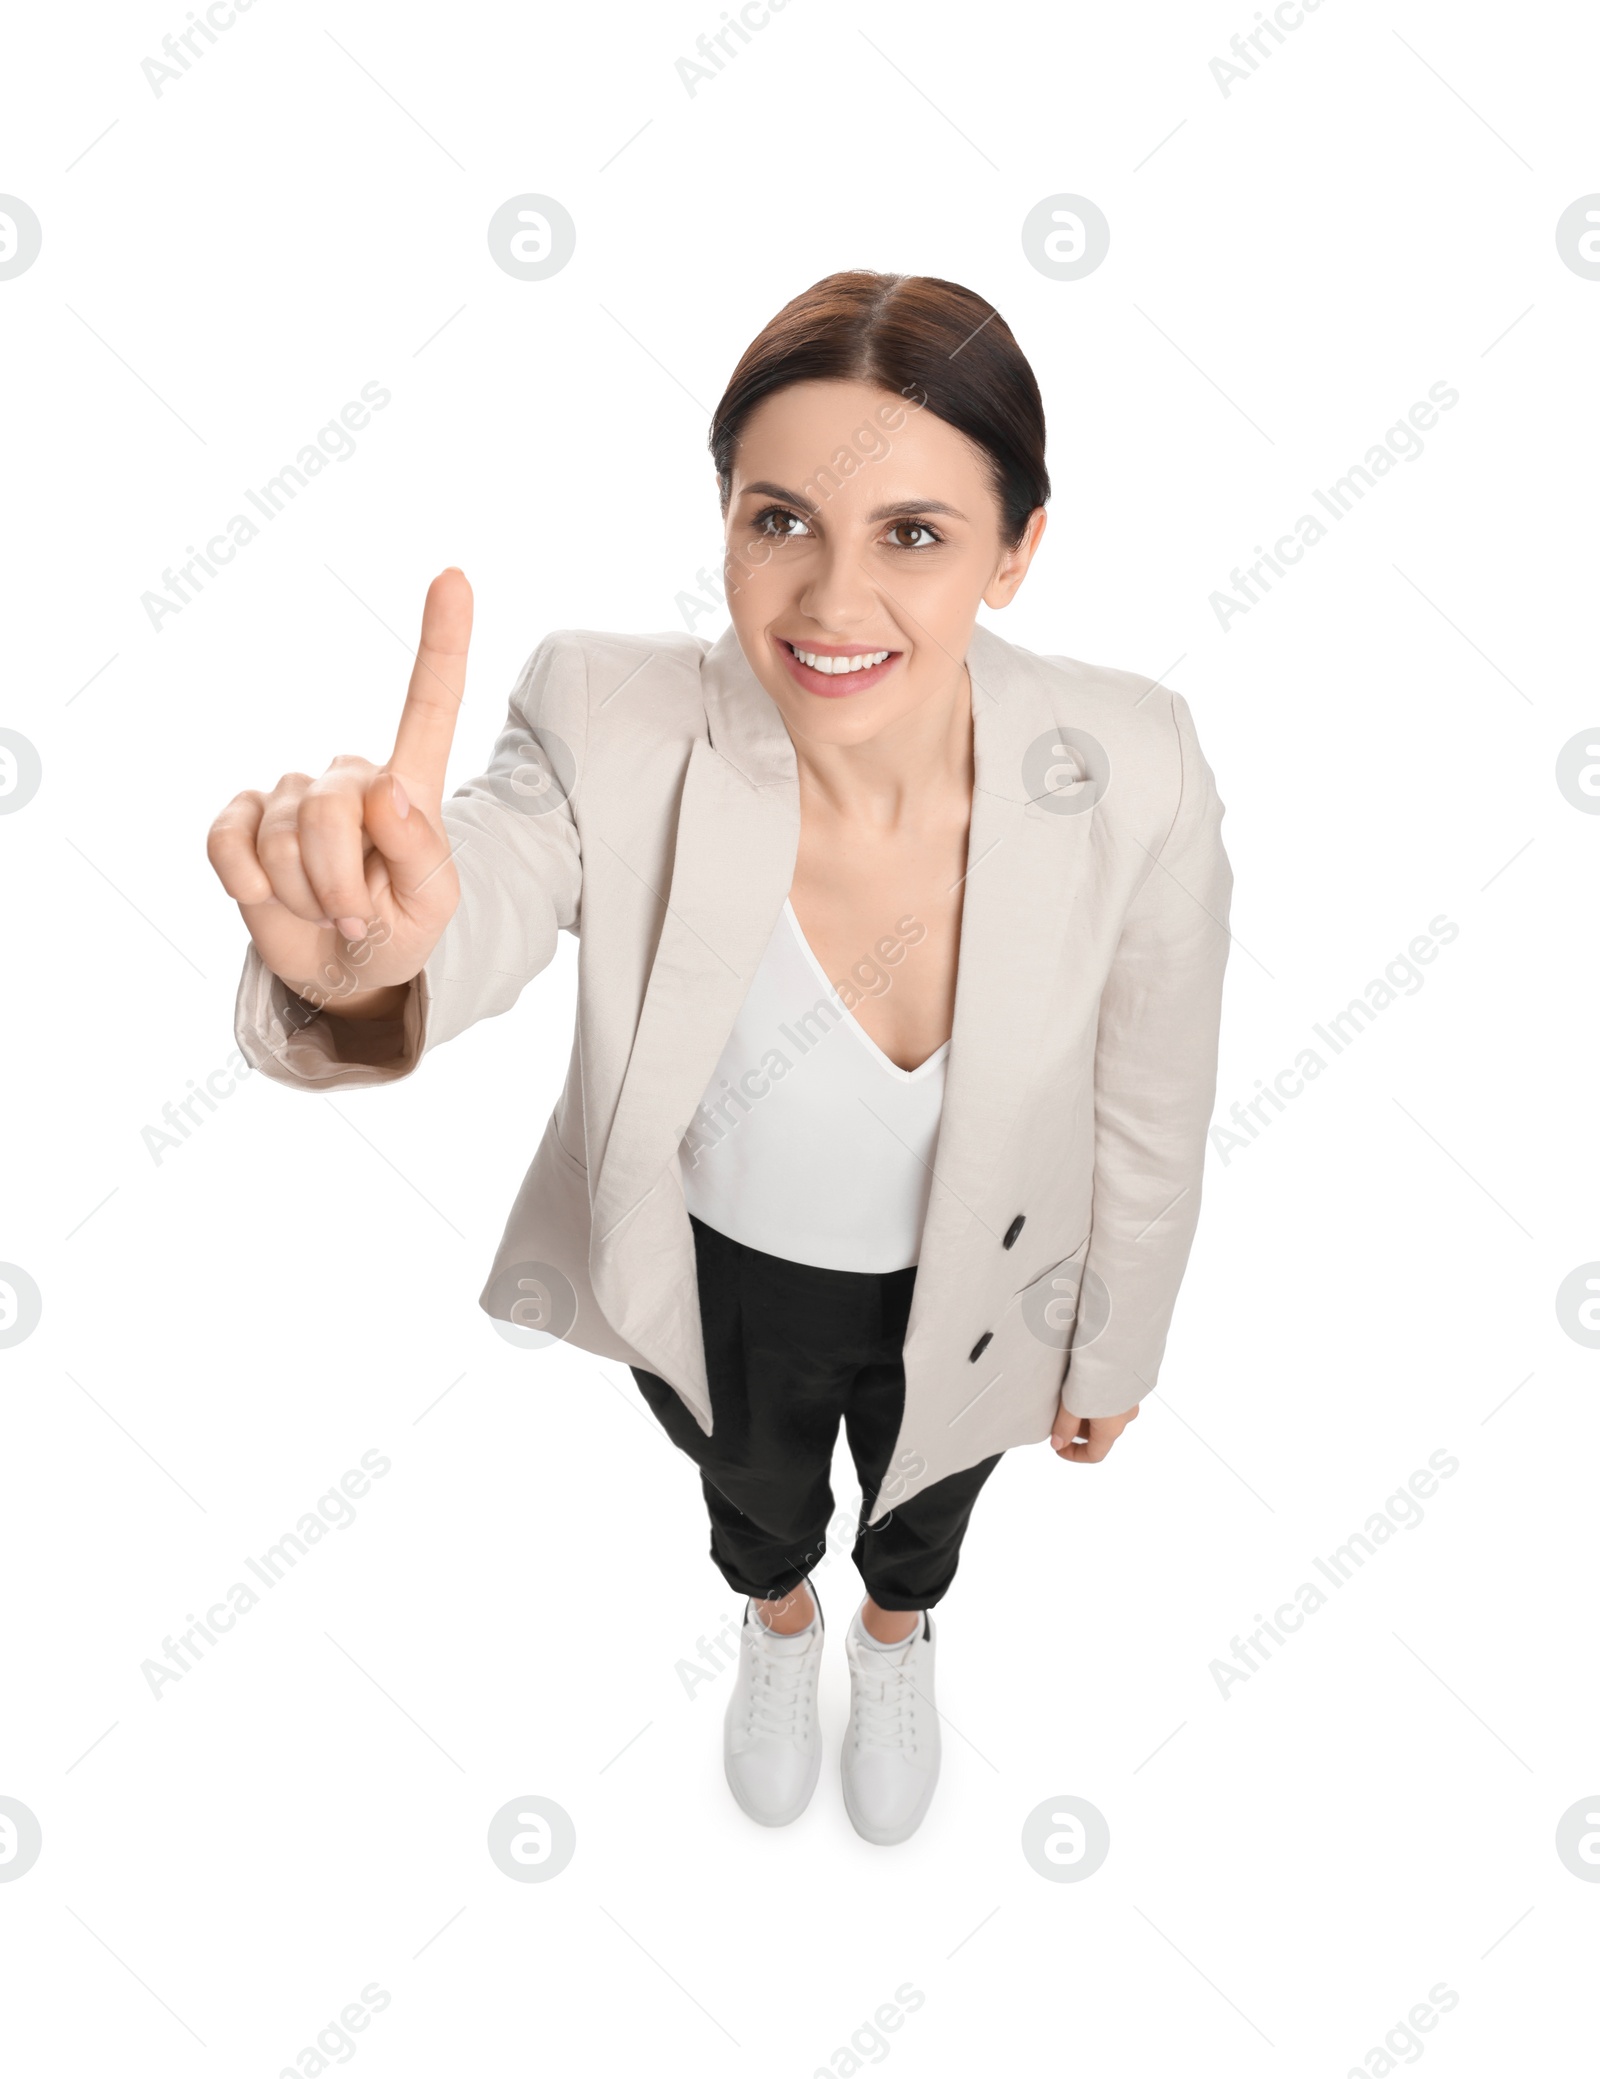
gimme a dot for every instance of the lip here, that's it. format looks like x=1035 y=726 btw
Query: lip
x=830 y=686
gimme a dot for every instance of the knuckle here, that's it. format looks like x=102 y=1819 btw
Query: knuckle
x=230 y=821
x=327 y=809
x=278 y=846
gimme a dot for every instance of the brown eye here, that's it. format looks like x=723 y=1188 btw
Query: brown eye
x=901 y=529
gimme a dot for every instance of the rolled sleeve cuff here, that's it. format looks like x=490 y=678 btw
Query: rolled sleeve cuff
x=289 y=1041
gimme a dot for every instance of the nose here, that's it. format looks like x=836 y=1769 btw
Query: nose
x=838 y=595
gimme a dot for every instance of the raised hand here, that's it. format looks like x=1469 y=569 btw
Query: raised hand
x=346 y=882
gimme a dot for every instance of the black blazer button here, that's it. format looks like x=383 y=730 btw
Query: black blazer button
x=980 y=1346
x=1012 y=1232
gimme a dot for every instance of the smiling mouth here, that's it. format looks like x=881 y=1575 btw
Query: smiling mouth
x=838 y=662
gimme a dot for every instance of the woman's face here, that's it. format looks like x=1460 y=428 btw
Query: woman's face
x=861 y=526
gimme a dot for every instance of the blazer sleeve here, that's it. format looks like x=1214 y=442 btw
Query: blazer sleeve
x=514 y=838
x=1155 y=1085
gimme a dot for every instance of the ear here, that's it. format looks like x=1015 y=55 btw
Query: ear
x=1013 y=565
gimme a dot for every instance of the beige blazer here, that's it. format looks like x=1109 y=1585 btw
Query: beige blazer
x=644 y=796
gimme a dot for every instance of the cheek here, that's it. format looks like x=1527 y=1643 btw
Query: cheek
x=757 y=602
x=944 y=597
x=744 y=554
x=760 y=582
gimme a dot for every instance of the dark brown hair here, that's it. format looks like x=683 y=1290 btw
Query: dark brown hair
x=931 y=341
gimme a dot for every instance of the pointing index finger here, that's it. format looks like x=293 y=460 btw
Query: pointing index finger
x=438 y=679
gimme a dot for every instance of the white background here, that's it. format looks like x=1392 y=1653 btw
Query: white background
x=226 y=1330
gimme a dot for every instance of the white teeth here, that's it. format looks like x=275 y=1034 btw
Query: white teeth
x=835 y=666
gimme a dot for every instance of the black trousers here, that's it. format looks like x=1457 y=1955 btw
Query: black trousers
x=791 y=1350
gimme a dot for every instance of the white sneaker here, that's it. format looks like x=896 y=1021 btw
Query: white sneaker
x=771 y=1742
x=890 y=1762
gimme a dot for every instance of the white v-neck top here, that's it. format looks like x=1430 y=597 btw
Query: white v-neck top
x=810 y=1143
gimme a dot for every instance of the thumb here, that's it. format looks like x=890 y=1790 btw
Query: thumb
x=412 y=847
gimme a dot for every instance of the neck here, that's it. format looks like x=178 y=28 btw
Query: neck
x=918 y=758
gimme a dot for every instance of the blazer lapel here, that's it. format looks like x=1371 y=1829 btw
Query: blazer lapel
x=738 y=834
x=733 y=862
x=1030 y=868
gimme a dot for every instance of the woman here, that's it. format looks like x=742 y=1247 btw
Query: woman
x=947 y=1202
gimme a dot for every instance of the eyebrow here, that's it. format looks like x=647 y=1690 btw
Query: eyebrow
x=907 y=509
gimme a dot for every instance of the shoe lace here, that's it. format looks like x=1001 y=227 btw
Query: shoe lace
x=781 y=1682
x=885 y=1696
